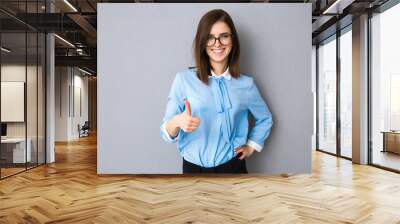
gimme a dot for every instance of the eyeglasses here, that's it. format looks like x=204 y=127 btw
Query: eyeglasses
x=224 y=39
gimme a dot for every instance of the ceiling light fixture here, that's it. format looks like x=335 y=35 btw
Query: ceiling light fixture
x=5 y=49
x=64 y=40
x=84 y=71
x=329 y=9
x=70 y=5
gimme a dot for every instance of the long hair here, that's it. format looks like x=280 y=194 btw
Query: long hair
x=200 y=43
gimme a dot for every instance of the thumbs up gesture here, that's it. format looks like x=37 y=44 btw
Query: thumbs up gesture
x=186 y=122
x=188 y=111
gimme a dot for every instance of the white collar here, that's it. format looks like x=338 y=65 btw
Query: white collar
x=226 y=74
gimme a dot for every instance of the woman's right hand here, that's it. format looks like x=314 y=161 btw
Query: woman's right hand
x=185 y=121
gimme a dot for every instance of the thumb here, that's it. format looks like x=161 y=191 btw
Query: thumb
x=188 y=111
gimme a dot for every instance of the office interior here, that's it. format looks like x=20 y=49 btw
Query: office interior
x=49 y=92
x=334 y=93
x=33 y=63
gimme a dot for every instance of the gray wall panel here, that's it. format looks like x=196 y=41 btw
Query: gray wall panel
x=142 y=46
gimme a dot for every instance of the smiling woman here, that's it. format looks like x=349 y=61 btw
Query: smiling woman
x=216 y=25
x=208 y=107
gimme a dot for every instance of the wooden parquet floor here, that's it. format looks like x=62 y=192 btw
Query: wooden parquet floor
x=70 y=191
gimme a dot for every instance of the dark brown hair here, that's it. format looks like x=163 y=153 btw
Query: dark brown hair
x=200 y=44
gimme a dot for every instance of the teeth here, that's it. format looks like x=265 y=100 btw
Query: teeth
x=218 y=50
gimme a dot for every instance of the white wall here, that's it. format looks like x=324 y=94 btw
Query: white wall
x=69 y=82
x=79 y=117
x=33 y=126
x=12 y=73
x=61 y=103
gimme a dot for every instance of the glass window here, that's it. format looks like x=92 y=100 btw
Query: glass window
x=31 y=101
x=22 y=91
x=327 y=96
x=14 y=150
x=385 y=87
x=346 y=94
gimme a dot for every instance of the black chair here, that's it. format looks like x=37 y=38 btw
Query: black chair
x=84 y=130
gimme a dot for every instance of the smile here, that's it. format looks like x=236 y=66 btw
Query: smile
x=218 y=51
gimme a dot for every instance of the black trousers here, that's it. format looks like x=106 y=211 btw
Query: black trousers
x=235 y=165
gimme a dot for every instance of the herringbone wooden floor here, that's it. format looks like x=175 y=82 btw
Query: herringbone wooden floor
x=70 y=191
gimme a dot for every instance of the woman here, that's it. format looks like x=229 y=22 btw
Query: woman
x=207 y=109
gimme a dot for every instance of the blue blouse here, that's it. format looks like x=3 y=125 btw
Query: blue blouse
x=223 y=107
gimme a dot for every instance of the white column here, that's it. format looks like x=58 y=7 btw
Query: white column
x=50 y=91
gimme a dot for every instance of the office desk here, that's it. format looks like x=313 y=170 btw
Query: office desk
x=391 y=141
x=13 y=150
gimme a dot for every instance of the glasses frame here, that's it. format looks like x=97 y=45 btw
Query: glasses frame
x=217 y=38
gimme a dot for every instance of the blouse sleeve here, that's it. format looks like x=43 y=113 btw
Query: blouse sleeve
x=262 y=116
x=175 y=105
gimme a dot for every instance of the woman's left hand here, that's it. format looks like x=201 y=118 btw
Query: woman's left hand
x=245 y=150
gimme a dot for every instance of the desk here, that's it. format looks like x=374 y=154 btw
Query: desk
x=391 y=141
x=15 y=148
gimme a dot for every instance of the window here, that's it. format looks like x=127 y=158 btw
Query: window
x=327 y=96
x=385 y=88
x=22 y=77
x=346 y=93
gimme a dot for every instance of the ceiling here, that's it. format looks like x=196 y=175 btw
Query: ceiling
x=76 y=22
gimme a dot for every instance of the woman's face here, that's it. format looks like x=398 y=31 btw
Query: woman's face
x=219 y=51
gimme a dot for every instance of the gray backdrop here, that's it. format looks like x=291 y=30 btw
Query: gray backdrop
x=142 y=46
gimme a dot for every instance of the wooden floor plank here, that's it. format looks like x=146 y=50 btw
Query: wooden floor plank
x=70 y=191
